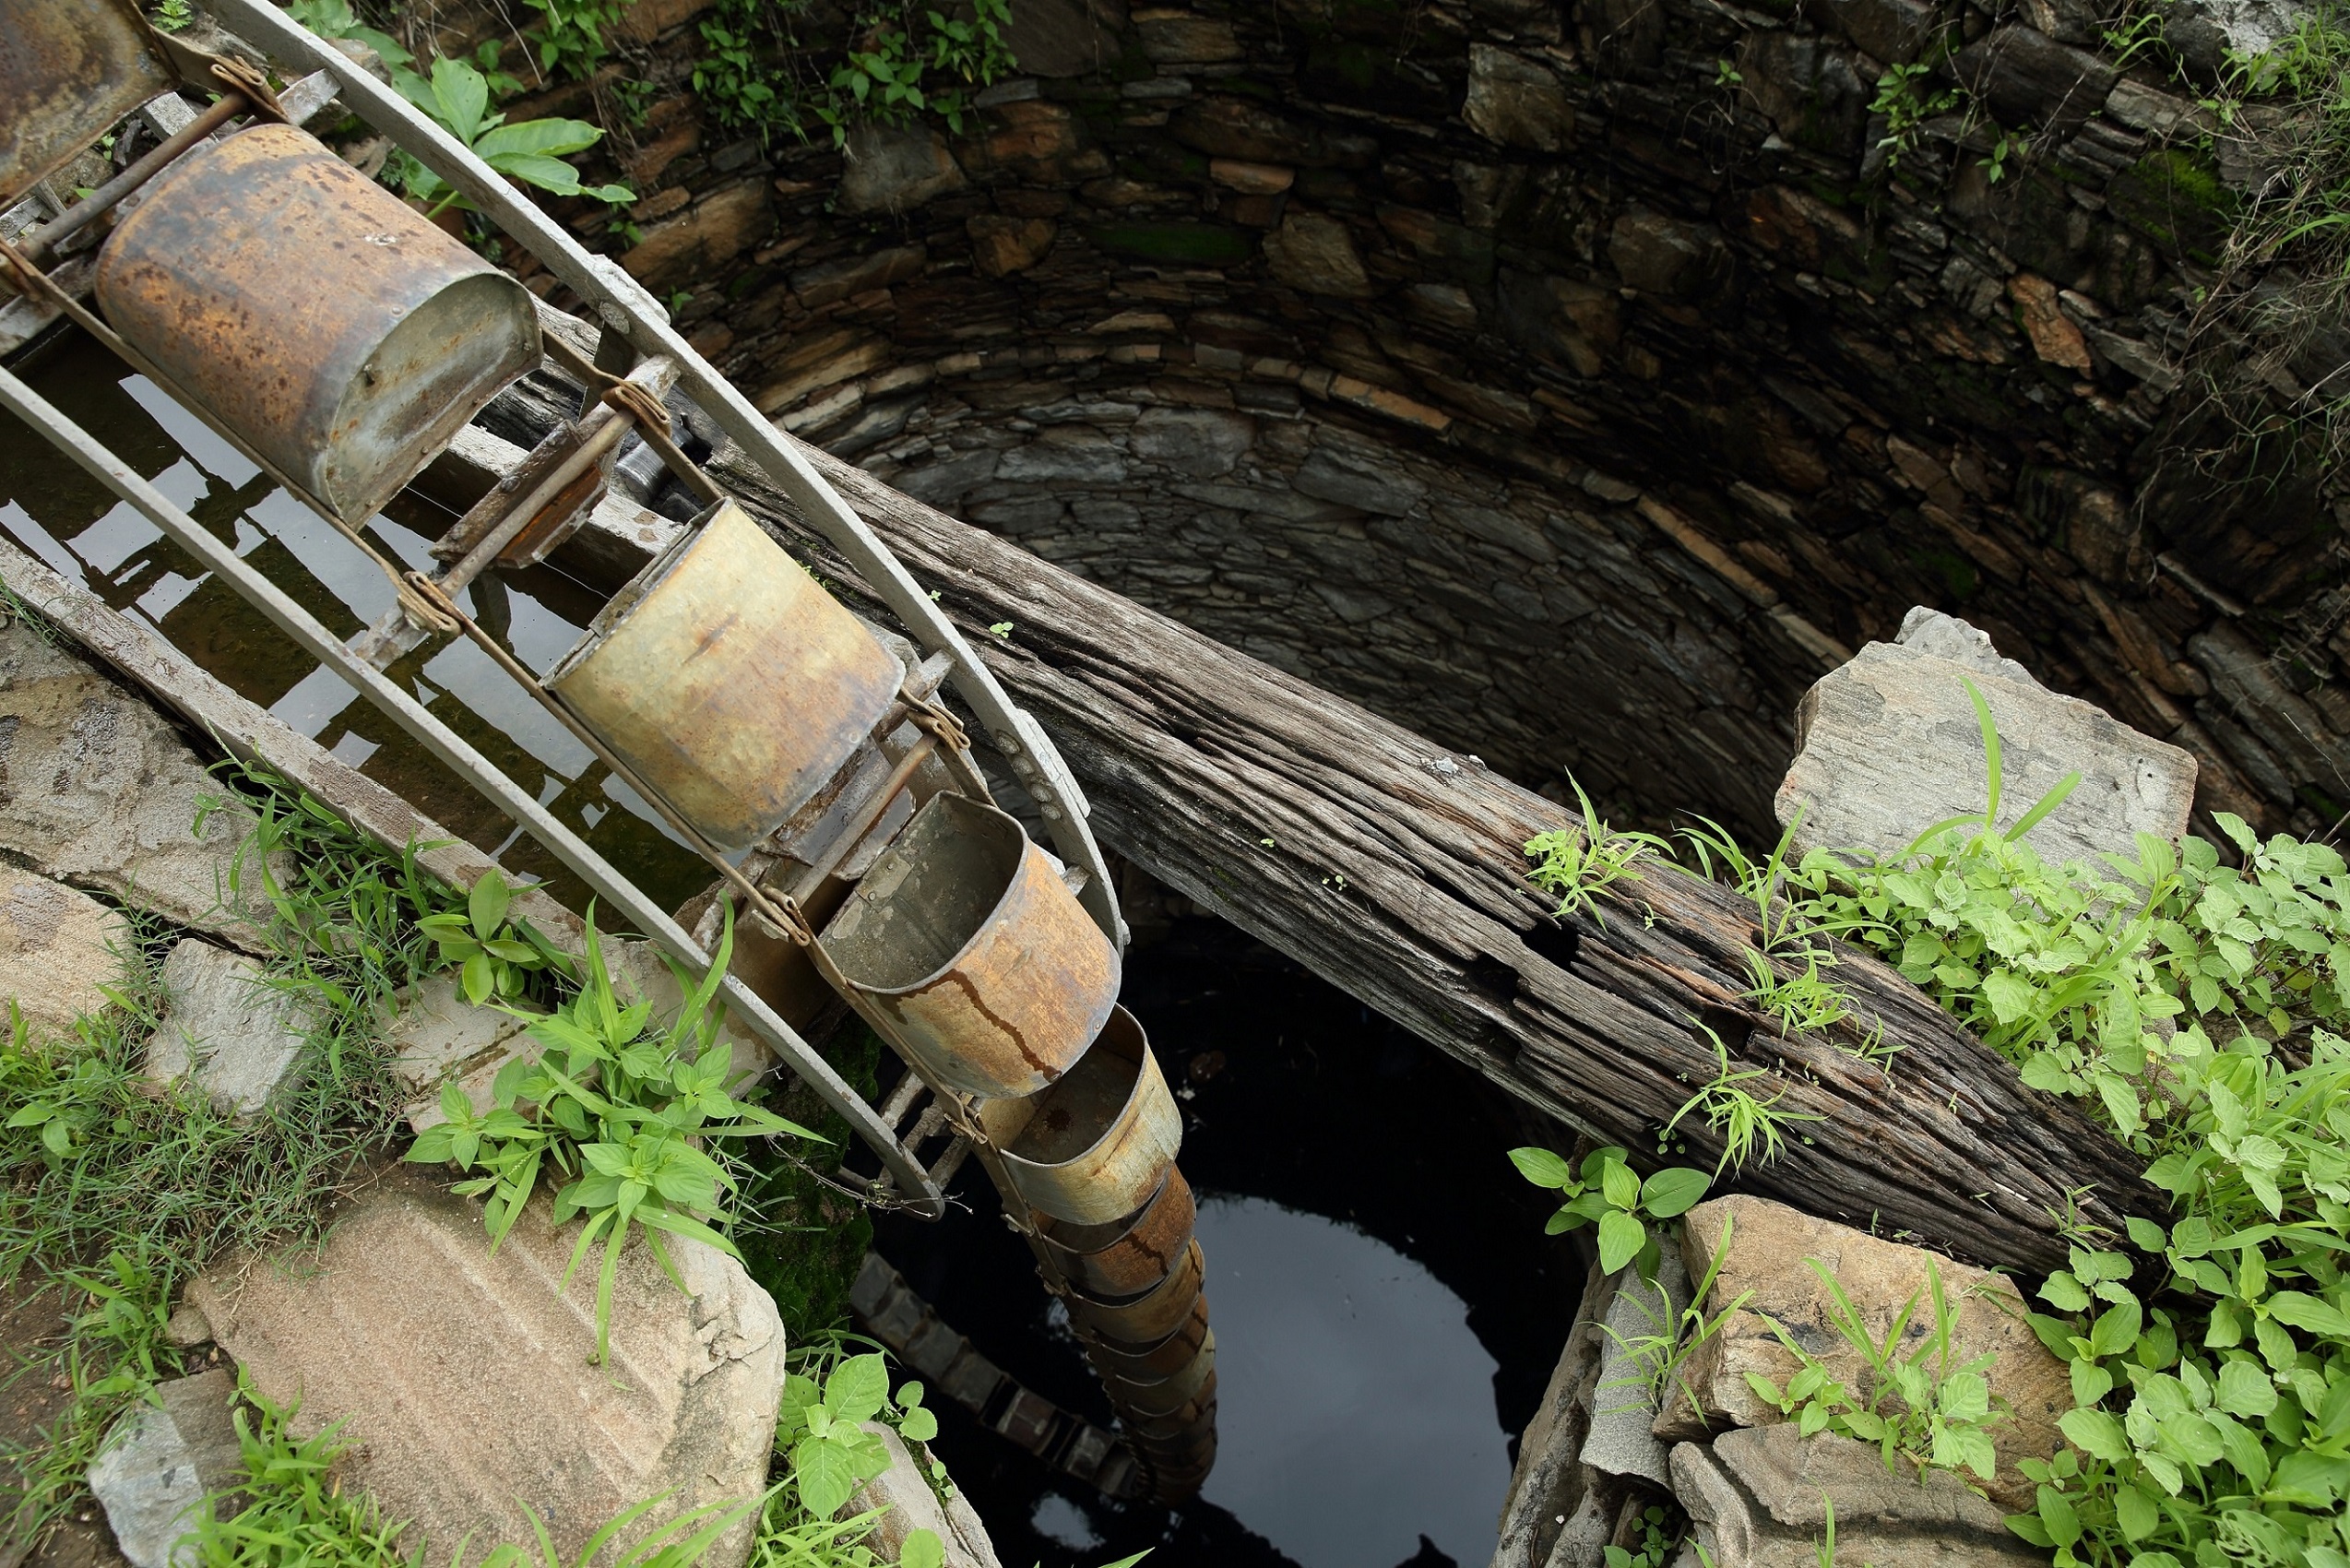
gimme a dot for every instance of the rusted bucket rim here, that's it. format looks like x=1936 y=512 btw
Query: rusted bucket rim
x=1182 y=1284
x=1116 y=1352
x=980 y=815
x=1092 y=1240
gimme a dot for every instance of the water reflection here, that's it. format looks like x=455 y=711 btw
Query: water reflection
x=1386 y=1307
x=1356 y=1409
x=71 y=524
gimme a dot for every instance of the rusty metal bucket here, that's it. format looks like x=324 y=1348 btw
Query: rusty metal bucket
x=1099 y=1142
x=1127 y=1256
x=984 y=965
x=1149 y=1360
x=68 y=70
x=341 y=336
x=729 y=679
x=1150 y=1315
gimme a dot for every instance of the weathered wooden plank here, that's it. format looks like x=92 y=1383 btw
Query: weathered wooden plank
x=1395 y=870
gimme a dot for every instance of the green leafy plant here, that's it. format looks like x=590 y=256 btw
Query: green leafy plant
x=619 y=1113
x=1581 y=863
x=569 y=39
x=1608 y=1193
x=2195 y=1008
x=1660 y=1353
x=531 y=152
x=1907 y=99
x=1926 y=1406
x=1660 y=1531
x=495 y=954
x=172 y=15
x=823 y=1433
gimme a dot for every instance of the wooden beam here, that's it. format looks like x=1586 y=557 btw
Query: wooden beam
x=1396 y=870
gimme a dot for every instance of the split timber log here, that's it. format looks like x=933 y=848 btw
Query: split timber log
x=1396 y=871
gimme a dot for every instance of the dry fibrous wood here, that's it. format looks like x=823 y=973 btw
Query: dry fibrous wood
x=1396 y=870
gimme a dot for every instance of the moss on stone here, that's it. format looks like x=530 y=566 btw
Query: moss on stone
x=1204 y=245
x=2175 y=198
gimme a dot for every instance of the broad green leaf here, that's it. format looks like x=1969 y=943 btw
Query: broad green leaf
x=550 y=139
x=462 y=96
x=1542 y=1168
x=2116 y=1329
x=1621 y=1184
x=1673 y=1191
x=825 y=1476
x=2245 y=1390
x=486 y=906
x=2056 y=1514
x=922 y=1549
x=858 y=1388
x=2095 y=1433
x=2306 y=1312
x=551 y=174
x=1620 y=1236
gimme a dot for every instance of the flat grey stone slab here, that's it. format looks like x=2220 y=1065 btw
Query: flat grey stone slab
x=1890 y=745
x=225 y=1029
x=467 y=1379
x=59 y=950
x=162 y=1461
x=1623 y=1412
x=96 y=790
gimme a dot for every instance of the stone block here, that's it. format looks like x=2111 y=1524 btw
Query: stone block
x=1768 y=1260
x=836 y=281
x=896 y=168
x=59 y=950
x=1195 y=443
x=1172 y=37
x=1890 y=31
x=161 y=1462
x=1062 y=38
x=909 y=1503
x=466 y=1381
x=1889 y=745
x=699 y=241
x=238 y=1041
x=97 y=790
x=2205 y=32
x=1621 y=1441
x=1754 y=1502
x=1316 y=253
x=1001 y=245
x=1664 y=255
x=1516 y=102
x=2027 y=78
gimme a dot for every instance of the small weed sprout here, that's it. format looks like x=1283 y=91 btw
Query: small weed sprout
x=1749 y=1128
x=1608 y=1193
x=1579 y=864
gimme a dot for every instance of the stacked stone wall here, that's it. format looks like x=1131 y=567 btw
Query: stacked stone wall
x=1575 y=382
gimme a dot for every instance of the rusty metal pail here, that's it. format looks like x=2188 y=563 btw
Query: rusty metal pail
x=729 y=679
x=1099 y=1141
x=987 y=968
x=1148 y=1361
x=68 y=70
x=1127 y=1256
x=344 y=338
x=1149 y=1317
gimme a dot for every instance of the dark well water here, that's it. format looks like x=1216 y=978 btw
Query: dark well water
x=1386 y=1307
